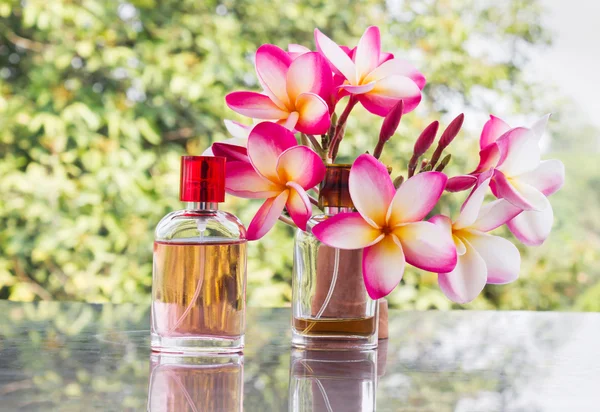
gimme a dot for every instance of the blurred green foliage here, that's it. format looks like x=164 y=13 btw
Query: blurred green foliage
x=99 y=99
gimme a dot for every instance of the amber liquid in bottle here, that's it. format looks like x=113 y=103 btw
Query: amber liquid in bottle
x=336 y=327
x=199 y=289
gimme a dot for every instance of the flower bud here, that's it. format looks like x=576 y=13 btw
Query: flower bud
x=398 y=181
x=426 y=139
x=391 y=122
x=443 y=163
x=451 y=131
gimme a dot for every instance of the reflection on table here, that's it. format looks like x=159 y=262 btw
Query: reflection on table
x=180 y=383
x=80 y=357
x=334 y=380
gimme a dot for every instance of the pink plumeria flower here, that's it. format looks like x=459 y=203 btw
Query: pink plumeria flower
x=482 y=258
x=293 y=91
x=388 y=225
x=377 y=80
x=280 y=171
x=519 y=175
x=234 y=148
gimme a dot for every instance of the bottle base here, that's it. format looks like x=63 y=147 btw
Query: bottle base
x=341 y=343
x=196 y=344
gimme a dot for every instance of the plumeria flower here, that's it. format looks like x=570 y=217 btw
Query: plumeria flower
x=482 y=258
x=513 y=156
x=280 y=171
x=234 y=148
x=389 y=226
x=293 y=91
x=377 y=80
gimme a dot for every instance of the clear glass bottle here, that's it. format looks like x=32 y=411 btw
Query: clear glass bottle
x=333 y=381
x=199 y=268
x=180 y=383
x=330 y=304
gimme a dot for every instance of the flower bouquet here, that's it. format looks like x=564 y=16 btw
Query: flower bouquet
x=379 y=222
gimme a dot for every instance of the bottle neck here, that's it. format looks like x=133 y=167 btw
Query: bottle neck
x=202 y=206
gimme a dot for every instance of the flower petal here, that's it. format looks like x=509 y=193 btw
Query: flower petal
x=460 y=183
x=309 y=73
x=548 y=177
x=468 y=278
x=272 y=65
x=444 y=222
x=383 y=267
x=539 y=127
x=519 y=152
x=461 y=249
x=495 y=214
x=237 y=130
x=502 y=258
x=492 y=130
x=302 y=166
x=232 y=150
x=336 y=56
x=427 y=246
x=242 y=180
x=296 y=50
x=518 y=193
x=366 y=57
x=388 y=91
x=314 y=114
x=532 y=227
x=371 y=189
x=254 y=105
x=384 y=57
x=363 y=88
x=347 y=231
x=488 y=158
x=470 y=208
x=416 y=198
x=267 y=216
x=298 y=205
x=394 y=67
x=267 y=141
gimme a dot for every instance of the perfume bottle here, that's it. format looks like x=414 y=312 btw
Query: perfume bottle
x=331 y=308
x=199 y=267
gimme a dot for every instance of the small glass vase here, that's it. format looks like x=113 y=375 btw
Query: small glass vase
x=330 y=305
x=333 y=381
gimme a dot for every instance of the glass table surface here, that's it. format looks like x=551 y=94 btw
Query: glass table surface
x=83 y=357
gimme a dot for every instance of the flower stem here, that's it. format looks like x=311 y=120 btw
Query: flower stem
x=339 y=128
x=378 y=149
x=287 y=221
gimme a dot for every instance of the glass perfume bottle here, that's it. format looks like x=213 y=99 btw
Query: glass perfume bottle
x=330 y=304
x=199 y=267
x=180 y=383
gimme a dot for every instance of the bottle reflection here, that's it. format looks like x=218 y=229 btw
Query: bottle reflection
x=333 y=381
x=181 y=383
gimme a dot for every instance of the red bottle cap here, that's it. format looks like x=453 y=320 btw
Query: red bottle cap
x=202 y=179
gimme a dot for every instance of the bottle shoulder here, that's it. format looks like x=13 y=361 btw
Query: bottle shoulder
x=200 y=226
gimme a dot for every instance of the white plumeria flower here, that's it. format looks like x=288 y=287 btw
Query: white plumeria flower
x=482 y=258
